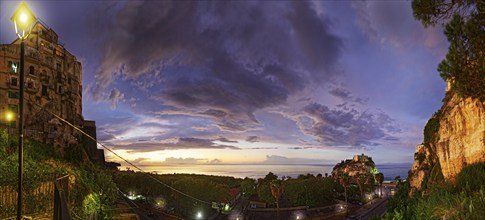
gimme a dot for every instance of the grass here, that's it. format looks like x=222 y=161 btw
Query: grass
x=463 y=200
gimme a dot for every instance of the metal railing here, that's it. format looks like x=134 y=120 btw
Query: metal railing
x=61 y=207
x=43 y=197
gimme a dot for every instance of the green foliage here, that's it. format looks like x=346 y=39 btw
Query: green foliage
x=207 y=188
x=465 y=200
x=432 y=127
x=310 y=191
x=42 y=165
x=419 y=157
x=464 y=64
x=264 y=192
x=471 y=178
x=248 y=187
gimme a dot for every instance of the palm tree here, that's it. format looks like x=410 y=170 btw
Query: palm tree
x=380 y=178
x=344 y=180
x=276 y=191
x=361 y=182
x=397 y=179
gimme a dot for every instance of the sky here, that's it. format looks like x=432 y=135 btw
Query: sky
x=250 y=82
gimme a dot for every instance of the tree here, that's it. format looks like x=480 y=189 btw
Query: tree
x=362 y=180
x=464 y=65
x=380 y=178
x=264 y=192
x=276 y=191
x=344 y=180
x=270 y=177
x=248 y=187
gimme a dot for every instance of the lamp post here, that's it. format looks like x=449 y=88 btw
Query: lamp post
x=23 y=20
x=9 y=117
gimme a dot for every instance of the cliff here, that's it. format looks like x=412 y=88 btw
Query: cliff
x=453 y=138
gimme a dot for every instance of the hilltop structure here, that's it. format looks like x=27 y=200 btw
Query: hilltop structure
x=359 y=164
x=53 y=84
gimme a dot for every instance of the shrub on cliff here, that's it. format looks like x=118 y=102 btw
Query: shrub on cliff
x=471 y=178
x=432 y=127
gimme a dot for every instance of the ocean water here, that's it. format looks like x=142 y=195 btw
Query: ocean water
x=260 y=170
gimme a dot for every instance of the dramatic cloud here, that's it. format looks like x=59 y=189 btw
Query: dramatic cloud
x=115 y=97
x=222 y=60
x=344 y=126
x=214 y=161
x=188 y=160
x=170 y=144
x=389 y=23
x=346 y=95
x=252 y=139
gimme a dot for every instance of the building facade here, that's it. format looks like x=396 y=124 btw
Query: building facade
x=53 y=85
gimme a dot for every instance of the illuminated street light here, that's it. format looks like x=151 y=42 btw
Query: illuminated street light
x=199 y=215
x=9 y=116
x=23 y=20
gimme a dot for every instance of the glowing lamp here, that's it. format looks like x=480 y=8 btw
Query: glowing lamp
x=9 y=116
x=23 y=19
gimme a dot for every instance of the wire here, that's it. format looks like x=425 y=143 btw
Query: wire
x=125 y=160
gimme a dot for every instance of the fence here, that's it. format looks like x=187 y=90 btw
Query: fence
x=38 y=196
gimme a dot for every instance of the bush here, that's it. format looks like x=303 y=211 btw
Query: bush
x=465 y=200
x=432 y=127
x=471 y=178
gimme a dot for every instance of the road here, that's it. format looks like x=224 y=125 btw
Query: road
x=236 y=213
x=380 y=210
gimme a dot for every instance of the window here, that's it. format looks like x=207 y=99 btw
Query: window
x=13 y=81
x=60 y=90
x=13 y=108
x=30 y=85
x=32 y=70
x=44 y=90
x=13 y=95
x=13 y=124
x=13 y=66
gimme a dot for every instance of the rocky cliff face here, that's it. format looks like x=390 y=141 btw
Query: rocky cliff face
x=454 y=138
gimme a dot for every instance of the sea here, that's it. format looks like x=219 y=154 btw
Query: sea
x=255 y=171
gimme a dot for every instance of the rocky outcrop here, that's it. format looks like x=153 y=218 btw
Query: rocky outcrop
x=360 y=164
x=454 y=138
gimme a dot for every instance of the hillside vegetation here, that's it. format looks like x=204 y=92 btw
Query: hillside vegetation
x=90 y=189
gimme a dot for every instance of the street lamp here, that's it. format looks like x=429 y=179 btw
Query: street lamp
x=23 y=20
x=9 y=117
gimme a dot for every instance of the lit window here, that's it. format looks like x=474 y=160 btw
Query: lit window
x=13 y=66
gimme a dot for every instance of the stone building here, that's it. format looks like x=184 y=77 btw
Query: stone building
x=362 y=158
x=53 y=84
